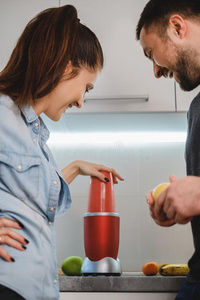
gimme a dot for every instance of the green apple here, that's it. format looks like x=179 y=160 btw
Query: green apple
x=72 y=265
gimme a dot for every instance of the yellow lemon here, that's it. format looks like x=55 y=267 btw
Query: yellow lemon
x=72 y=265
x=159 y=189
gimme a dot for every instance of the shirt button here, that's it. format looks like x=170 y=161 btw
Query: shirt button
x=54 y=182
x=34 y=140
x=19 y=167
x=36 y=124
x=55 y=281
x=50 y=223
x=51 y=209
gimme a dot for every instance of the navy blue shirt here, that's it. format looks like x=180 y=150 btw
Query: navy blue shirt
x=32 y=191
x=193 y=168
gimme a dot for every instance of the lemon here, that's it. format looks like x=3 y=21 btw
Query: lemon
x=159 y=189
x=72 y=265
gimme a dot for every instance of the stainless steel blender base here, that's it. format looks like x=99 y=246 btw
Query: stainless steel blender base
x=105 y=266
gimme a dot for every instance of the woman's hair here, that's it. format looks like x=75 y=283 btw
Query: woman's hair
x=156 y=14
x=49 y=41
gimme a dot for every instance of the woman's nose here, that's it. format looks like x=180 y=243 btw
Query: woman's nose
x=79 y=103
x=157 y=70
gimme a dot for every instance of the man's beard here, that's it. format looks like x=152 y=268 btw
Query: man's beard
x=187 y=69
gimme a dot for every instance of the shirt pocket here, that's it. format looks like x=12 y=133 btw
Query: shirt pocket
x=19 y=174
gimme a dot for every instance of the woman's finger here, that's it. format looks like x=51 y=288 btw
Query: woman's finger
x=8 y=232
x=4 y=222
x=111 y=170
x=5 y=255
x=7 y=240
x=10 y=237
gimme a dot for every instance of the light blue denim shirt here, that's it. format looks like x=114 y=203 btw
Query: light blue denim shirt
x=32 y=191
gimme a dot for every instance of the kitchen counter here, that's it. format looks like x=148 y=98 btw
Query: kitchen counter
x=127 y=282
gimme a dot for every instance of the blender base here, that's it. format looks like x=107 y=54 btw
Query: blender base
x=106 y=266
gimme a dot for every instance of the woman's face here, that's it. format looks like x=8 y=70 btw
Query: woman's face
x=68 y=93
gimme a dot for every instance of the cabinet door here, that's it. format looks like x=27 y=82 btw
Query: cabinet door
x=117 y=296
x=184 y=99
x=127 y=72
x=14 y=15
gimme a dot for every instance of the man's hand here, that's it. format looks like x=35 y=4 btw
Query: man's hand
x=179 y=203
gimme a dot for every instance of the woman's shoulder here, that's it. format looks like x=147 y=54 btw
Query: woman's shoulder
x=8 y=105
x=12 y=126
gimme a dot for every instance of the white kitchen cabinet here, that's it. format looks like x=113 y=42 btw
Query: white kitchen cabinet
x=127 y=72
x=184 y=99
x=14 y=15
x=117 y=296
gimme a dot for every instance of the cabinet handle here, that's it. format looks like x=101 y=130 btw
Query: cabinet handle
x=135 y=98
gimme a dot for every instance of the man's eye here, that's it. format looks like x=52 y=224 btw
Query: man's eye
x=150 y=56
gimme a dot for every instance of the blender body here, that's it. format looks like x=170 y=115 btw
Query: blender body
x=101 y=230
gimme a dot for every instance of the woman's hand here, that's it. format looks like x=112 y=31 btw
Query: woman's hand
x=10 y=237
x=80 y=167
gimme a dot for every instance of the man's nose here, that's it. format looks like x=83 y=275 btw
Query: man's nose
x=157 y=70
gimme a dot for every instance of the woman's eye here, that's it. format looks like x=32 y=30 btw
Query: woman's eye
x=88 y=88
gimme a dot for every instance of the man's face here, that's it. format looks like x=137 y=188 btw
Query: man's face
x=169 y=60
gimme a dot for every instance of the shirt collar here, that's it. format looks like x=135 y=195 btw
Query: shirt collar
x=29 y=113
x=31 y=117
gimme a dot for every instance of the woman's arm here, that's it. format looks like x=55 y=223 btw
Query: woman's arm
x=79 y=167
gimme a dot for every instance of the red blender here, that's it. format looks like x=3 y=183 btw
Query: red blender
x=101 y=230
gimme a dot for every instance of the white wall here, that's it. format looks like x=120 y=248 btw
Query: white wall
x=143 y=166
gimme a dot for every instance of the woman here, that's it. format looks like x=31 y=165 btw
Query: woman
x=56 y=60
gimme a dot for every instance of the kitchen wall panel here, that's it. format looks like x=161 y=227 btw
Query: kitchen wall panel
x=14 y=15
x=143 y=166
x=141 y=239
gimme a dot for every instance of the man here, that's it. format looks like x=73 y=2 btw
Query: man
x=169 y=32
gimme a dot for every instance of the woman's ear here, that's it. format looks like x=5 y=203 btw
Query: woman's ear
x=68 y=68
x=177 y=28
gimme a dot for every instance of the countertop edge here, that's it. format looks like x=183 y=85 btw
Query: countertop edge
x=124 y=283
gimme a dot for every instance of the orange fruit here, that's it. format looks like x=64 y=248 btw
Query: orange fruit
x=159 y=189
x=150 y=268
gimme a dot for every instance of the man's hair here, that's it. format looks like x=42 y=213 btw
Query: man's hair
x=49 y=41
x=156 y=14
